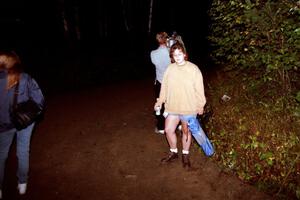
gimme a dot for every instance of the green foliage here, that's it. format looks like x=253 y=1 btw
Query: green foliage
x=256 y=133
x=257 y=137
x=298 y=193
x=261 y=36
x=298 y=97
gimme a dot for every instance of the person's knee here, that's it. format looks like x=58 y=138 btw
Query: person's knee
x=184 y=128
x=22 y=152
x=169 y=130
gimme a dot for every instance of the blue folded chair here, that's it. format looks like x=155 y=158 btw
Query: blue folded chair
x=200 y=136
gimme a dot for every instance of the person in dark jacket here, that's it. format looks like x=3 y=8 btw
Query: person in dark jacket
x=11 y=76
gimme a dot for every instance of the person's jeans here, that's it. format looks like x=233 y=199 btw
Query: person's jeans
x=198 y=133
x=23 y=146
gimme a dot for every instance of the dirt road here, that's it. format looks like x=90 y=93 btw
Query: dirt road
x=100 y=144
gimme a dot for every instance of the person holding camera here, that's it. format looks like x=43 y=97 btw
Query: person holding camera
x=13 y=81
x=182 y=93
x=174 y=39
x=161 y=59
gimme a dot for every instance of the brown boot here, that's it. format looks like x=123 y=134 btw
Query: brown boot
x=186 y=161
x=171 y=157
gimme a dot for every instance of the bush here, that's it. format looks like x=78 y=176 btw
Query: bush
x=263 y=37
x=256 y=133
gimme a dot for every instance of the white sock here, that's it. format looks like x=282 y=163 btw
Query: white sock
x=174 y=150
x=185 y=152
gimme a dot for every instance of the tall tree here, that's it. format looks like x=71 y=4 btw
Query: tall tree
x=150 y=16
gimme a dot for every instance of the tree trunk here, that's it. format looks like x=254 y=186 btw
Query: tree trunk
x=150 y=17
x=124 y=16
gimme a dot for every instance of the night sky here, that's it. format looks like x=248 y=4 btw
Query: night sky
x=47 y=33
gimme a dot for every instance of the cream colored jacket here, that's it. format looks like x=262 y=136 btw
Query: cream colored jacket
x=182 y=89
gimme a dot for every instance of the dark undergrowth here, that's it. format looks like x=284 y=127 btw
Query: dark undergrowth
x=256 y=132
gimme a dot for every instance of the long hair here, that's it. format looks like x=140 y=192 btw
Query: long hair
x=12 y=64
x=178 y=46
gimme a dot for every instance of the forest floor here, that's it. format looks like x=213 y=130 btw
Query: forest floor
x=99 y=143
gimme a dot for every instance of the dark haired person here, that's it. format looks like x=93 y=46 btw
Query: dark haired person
x=11 y=76
x=182 y=93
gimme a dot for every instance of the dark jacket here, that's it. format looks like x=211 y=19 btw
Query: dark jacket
x=28 y=88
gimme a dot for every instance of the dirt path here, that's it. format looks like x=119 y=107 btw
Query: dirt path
x=100 y=144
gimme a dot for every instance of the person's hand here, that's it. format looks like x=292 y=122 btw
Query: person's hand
x=157 y=104
x=200 y=111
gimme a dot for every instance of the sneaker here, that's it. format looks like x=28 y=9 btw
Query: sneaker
x=22 y=187
x=186 y=161
x=171 y=157
x=159 y=131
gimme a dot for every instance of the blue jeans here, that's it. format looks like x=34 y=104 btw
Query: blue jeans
x=199 y=135
x=23 y=146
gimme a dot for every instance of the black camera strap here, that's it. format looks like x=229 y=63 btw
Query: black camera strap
x=16 y=93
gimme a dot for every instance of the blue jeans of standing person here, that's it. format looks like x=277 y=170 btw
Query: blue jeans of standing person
x=23 y=145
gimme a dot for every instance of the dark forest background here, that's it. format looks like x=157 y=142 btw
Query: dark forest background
x=90 y=41
x=76 y=44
